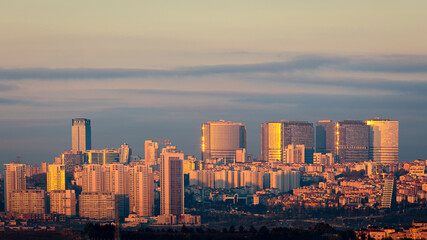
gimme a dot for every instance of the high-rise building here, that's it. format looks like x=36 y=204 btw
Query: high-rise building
x=383 y=141
x=172 y=181
x=97 y=205
x=294 y=154
x=55 y=177
x=63 y=202
x=105 y=156
x=28 y=201
x=115 y=180
x=151 y=152
x=389 y=192
x=276 y=136
x=272 y=141
x=353 y=141
x=14 y=181
x=92 y=178
x=326 y=137
x=141 y=196
x=81 y=134
x=300 y=133
x=70 y=159
x=124 y=152
x=347 y=140
x=222 y=139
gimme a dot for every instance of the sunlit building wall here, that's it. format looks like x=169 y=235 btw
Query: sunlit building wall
x=222 y=139
x=141 y=199
x=55 y=177
x=294 y=154
x=105 y=156
x=97 y=205
x=124 y=153
x=151 y=152
x=28 y=201
x=114 y=180
x=92 y=178
x=383 y=141
x=81 y=134
x=272 y=141
x=323 y=159
x=389 y=192
x=63 y=202
x=14 y=181
x=171 y=181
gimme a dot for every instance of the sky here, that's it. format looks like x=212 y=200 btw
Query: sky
x=159 y=69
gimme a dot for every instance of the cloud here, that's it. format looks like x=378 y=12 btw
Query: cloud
x=389 y=64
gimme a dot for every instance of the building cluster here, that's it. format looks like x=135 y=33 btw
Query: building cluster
x=115 y=183
x=418 y=230
x=112 y=185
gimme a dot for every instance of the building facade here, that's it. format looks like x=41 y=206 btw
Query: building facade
x=55 y=177
x=81 y=134
x=171 y=181
x=14 y=181
x=383 y=141
x=222 y=139
x=63 y=202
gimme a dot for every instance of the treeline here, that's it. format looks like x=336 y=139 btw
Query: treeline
x=320 y=231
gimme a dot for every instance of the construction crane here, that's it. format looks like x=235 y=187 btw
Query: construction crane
x=164 y=141
x=18 y=159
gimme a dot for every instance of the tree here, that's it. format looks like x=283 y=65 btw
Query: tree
x=232 y=229
x=241 y=229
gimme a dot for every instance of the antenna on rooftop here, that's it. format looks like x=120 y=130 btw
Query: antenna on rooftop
x=18 y=158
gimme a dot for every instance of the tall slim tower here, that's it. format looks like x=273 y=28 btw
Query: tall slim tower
x=222 y=139
x=383 y=141
x=389 y=192
x=141 y=196
x=81 y=134
x=14 y=181
x=172 y=181
x=55 y=177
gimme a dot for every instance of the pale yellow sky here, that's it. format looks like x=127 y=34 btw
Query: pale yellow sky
x=162 y=34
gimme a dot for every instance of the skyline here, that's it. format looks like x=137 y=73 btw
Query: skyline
x=149 y=70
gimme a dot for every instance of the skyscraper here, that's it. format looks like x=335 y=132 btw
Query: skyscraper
x=383 y=141
x=124 y=152
x=55 y=177
x=92 y=178
x=277 y=136
x=81 y=134
x=347 y=140
x=151 y=152
x=353 y=141
x=300 y=133
x=14 y=181
x=141 y=196
x=326 y=137
x=172 y=181
x=272 y=141
x=222 y=139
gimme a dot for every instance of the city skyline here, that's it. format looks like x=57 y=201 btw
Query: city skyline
x=112 y=154
x=139 y=75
